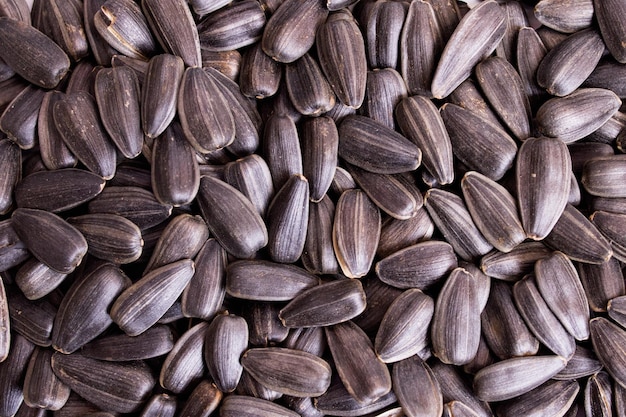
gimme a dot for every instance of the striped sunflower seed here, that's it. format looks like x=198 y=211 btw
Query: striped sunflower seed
x=99 y=48
x=417 y=388
x=364 y=376
x=606 y=75
x=473 y=34
x=248 y=386
x=619 y=394
x=11 y=165
x=5 y=325
x=457 y=409
x=232 y=27
x=345 y=68
x=455 y=388
x=252 y=177
x=613 y=205
x=184 y=365
x=19 y=120
x=318 y=256
x=483 y=358
x=319 y=141
x=64 y=25
x=82 y=78
x=379 y=297
x=356 y=231
x=260 y=75
x=598 y=395
x=292 y=372
x=267 y=281
x=13 y=370
x=225 y=341
x=31 y=54
x=244 y=406
x=385 y=88
x=265 y=326
x=530 y=53
x=203 y=400
x=310 y=340
x=516 y=19
x=33 y=320
x=42 y=388
x=203 y=7
x=602 y=174
x=602 y=283
x=403 y=330
x=10 y=89
x=382 y=32
x=583 y=363
x=225 y=62
x=134 y=310
x=610 y=225
x=156 y=341
x=617 y=310
x=338 y=401
x=565 y=17
x=612 y=28
x=54 y=153
x=552 y=398
x=482 y=283
x=108 y=385
x=282 y=150
x=448 y=16
x=325 y=305
x=15 y=9
x=398 y=234
x=608 y=340
x=161 y=405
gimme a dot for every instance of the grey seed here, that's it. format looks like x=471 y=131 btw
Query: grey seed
x=15 y=9
x=33 y=320
x=417 y=388
x=398 y=234
x=345 y=69
x=573 y=117
x=71 y=188
x=455 y=388
x=318 y=256
x=250 y=387
x=252 y=177
x=101 y=50
x=319 y=141
x=334 y=5
x=379 y=297
x=243 y=406
x=311 y=339
x=611 y=225
x=364 y=376
x=530 y=53
x=608 y=340
x=565 y=17
x=404 y=329
x=281 y=149
x=226 y=340
x=124 y=27
x=77 y=405
x=421 y=44
x=31 y=54
x=356 y=231
x=503 y=87
x=6 y=72
x=293 y=17
x=40 y=230
x=10 y=89
x=203 y=7
x=203 y=400
x=583 y=363
x=382 y=33
x=421 y=122
x=108 y=385
x=338 y=401
x=265 y=326
x=139 y=66
x=550 y=37
x=325 y=305
x=582 y=152
x=540 y=320
x=13 y=370
x=478 y=143
x=267 y=281
x=616 y=309
x=602 y=174
x=54 y=153
x=231 y=218
x=110 y=237
x=472 y=34
x=619 y=394
x=367 y=144
x=451 y=217
x=135 y=309
x=162 y=405
x=42 y=388
x=308 y=89
x=469 y=96
x=457 y=409
x=503 y=328
x=448 y=16
x=602 y=282
x=552 y=398
x=232 y=27
x=11 y=166
x=19 y=120
x=516 y=19
x=543 y=181
x=226 y=62
x=184 y=365
x=82 y=78
x=560 y=287
x=5 y=329
x=83 y=313
x=156 y=341
x=611 y=27
x=598 y=395
x=512 y=377
x=342 y=181
x=567 y=65
x=482 y=283
x=260 y=75
x=607 y=75
x=483 y=358
x=613 y=205
x=160 y=93
x=303 y=406
x=493 y=210
x=385 y=88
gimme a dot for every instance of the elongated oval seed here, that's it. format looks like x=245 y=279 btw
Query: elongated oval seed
x=19 y=120
x=551 y=398
x=612 y=29
x=417 y=388
x=244 y=406
x=617 y=310
x=601 y=176
x=338 y=401
x=33 y=320
x=54 y=153
x=566 y=18
x=184 y=365
x=382 y=32
x=5 y=329
x=42 y=388
x=156 y=341
x=608 y=342
x=13 y=369
x=160 y=92
x=308 y=89
x=319 y=141
x=252 y=177
x=226 y=340
x=11 y=165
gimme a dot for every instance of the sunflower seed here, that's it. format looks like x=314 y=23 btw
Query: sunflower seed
x=260 y=75
x=457 y=409
x=5 y=329
x=54 y=152
x=265 y=326
x=139 y=66
x=610 y=225
x=184 y=365
x=310 y=340
x=204 y=399
x=204 y=7
x=160 y=92
x=319 y=141
x=516 y=19
x=602 y=283
x=468 y=96
x=455 y=388
x=318 y=256
x=608 y=339
x=385 y=88
x=382 y=31
x=233 y=27
x=399 y=234
x=161 y=405
x=252 y=177
x=598 y=395
x=611 y=27
x=281 y=148
x=617 y=311
x=42 y=388
x=154 y=342
x=15 y=9
x=19 y=120
x=250 y=387
x=552 y=398
x=583 y=363
x=98 y=46
x=417 y=388
x=35 y=279
x=11 y=165
x=601 y=176
x=10 y=89
x=339 y=402
x=33 y=320
x=565 y=17
x=607 y=75
x=13 y=370
x=243 y=406
x=226 y=340
x=227 y=63
x=530 y=53
x=619 y=394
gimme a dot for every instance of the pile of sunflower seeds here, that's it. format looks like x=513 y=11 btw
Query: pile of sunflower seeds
x=312 y=207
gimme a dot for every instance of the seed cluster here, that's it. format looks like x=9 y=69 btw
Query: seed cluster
x=285 y=208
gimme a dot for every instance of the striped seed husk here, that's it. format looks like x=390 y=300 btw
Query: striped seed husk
x=455 y=388
x=457 y=409
x=448 y=16
x=342 y=181
x=502 y=326
x=356 y=231
x=370 y=145
x=267 y=281
x=619 y=399
x=31 y=54
x=162 y=405
x=582 y=152
x=398 y=234
x=260 y=75
x=552 y=398
x=417 y=388
x=204 y=7
x=338 y=401
x=608 y=340
x=232 y=27
x=6 y=72
x=184 y=365
x=15 y=9
x=516 y=19
x=379 y=297
x=584 y=363
x=345 y=68
x=318 y=256
x=573 y=117
x=598 y=395
x=613 y=205
x=550 y=37
x=617 y=310
x=382 y=33
x=108 y=385
x=483 y=358
x=42 y=388
x=513 y=377
x=404 y=328
x=325 y=305
x=71 y=187
x=265 y=326
x=482 y=283
x=54 y=153
x=471 y=34
x=252 y=177
x=612 y=28
x=602 y=174
x=281 y=149
x=76 y=118
x=33 y=320
x=468 y=96
x=110 y=237
x=503 y=87
x=364 y=376
x=291 y=17
x=319 y=141
x=248 y=386
x=311 y=339
x=19 y=120
x=602 y=283
x=540 y=320
x=385 y=88
x=82 y=78
x=226 y=340
x=5 y=325
x=228 y=63
x=303 y=406
x=530 y=53
x=242 y=231
x=477 y=142
x=610 y=131
x=160 y=93
x=569 y=17
x=560 y=287
x=40 y=230
x=611 y=225
x=454 y=221
x=156 y=341
x=10 y=89
x=11 y=165
x=64 y=25
x=13 y=370
x=244 y=406
x=292 y=372
x=607 y=75
x=83 y=313
x=493 y=210
x=203 y=400
x=99 y=48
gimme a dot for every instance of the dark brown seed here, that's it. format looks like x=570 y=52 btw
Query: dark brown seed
x=602 y=283
x=417 y=388
x=565 y=17
x=203 y=7
x=308 y=89
x=15 y=9
x=265 y=326
x=398 y=234
x=70 y=187
x=232 y=27
x=42 y=388
x=468 y=96
x=54 y=152
x=226 y=340
x=611 y=225
x=319 y=141
x=33 y=320
x=161 y=405
x=612 y=28
x=13 y=370
x=455 y=388
x=583 y=363
x=601 y=176
x=244 y=406
x=31 y=54
x=516 y=19
x=252 y=177
x=608 y=341
x=64 y=24
x=552 y=398
x=385 y=88
x=318 y=256
x=267 y=281
x=227 y=63
x=35 y=279
x=156 y=341
x=617 y=310
x=108 y=385
x=101 y=50
x=19 y=120
x=184 y=365
x=204 y=399
x=530 y=53
x=11 y=166
x=310 y=340
x=382 y=32
x=281 y=147
x=260 y=75
x=338 y=401
x=607 y=75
